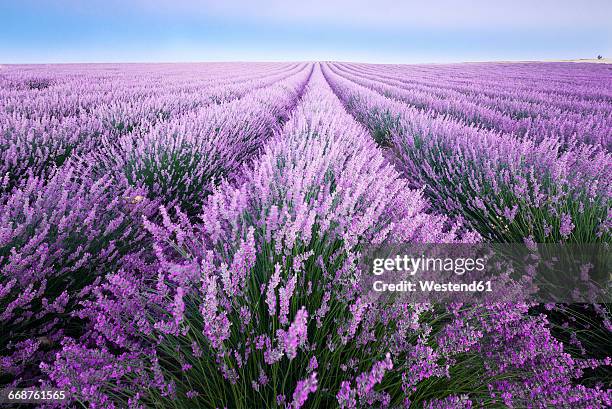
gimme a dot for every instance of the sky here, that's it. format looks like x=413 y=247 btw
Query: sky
x=409 y=31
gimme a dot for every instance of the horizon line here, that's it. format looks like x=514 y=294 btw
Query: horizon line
x=605 y=60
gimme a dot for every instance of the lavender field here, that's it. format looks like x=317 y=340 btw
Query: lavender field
x=187 y=235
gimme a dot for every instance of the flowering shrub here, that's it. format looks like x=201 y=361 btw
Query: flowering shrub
x=56 y=237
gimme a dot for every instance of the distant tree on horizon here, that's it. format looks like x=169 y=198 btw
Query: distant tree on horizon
x=599 y=57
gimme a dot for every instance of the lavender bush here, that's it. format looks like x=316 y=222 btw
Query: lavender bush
x=57 y=237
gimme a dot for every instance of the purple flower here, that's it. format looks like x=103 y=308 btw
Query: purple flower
x=312 y=364
x=303 y=388
x=296 y=336
x=367 y=380
x=567 y=226
x=270 y=294
x=346 y=396
x=285 y=294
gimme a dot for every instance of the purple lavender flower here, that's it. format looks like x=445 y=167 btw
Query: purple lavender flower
x=303 y=389
x=567 y=226
x=346 y=396
x=296 y=335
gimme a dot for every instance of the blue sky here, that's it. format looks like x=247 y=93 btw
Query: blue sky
x=33 y=31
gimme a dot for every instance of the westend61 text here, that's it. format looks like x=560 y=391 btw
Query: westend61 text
x=432 y=286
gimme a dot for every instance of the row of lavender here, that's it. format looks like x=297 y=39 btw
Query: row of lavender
x=42 y=125
x=580 y=112
x=508 y=187
x=248 y=294
x=87 y=153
